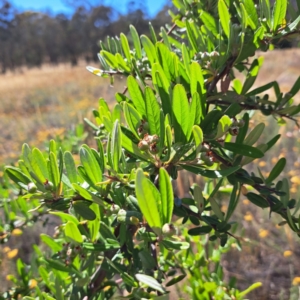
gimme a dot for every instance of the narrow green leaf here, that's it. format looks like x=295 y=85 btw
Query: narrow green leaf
x=233 y=201
x=83 y=192
x=198 y=137
x=136 y=42
x=72 y=232
x=243 y=131
x=53 y=169
x=181 y=113
x=224 y=17
x=122 y=64
x=39 y=165
x=251 y=14
x=186 y=58
x=211 y=173
x=94 y=226
x=101 y=247
x=110 y=59
x=149 y=200
x=116 y=145
x=254 y=135
x=149 y=49
x=200 y=230
x=125 y=47
x=167 y=196
x=17 y=176
x=209 y=22
x=82 y=209
x=153 y=112
x=286 y=189
x=50 y=242
x=65 y=217
x=163 y=91
x=169 y=244
x=136 y=95
x=150 y=281
x=191 y=36
x=90 y=164
x=70 y=167
x=133 y=118
x=257 y=200
x=279 y=12
x=243 y=150
x=276 y=171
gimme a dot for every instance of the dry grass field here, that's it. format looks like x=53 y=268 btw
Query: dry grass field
x=40 y=104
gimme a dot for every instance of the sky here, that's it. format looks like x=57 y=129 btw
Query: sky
x=60 y=6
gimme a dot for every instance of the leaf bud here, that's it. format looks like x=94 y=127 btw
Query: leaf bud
x=169 y=230
x=114 y=209
x=48 y=185
x=241 y=123
x=234 y=131
x=143 y=145
x=31 y=187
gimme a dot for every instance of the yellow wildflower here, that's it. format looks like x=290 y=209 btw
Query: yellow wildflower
x=248 y=217
x=32 y=283
x=296 y=281
x=13 y=253
x=263 y=233
x=287 y=253
x=262 y=164
x=17 y=231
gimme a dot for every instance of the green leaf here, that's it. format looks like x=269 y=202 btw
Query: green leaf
x=152 y=112
x=90 y=164
x=83 y=192
x=254 y=135
x=243 y=131
x=163 y=91
x=53 y=170
x=211 y=173
x=210 y=23
x=169 y=244
x=197 y=82
x=251 y=14
x=116 y=145
x=233 y=201
x=276 y=171
x=200 y=230
x=39 y=165
x=167 y=196
x=279 y=12
x=82 y=208
x=223 y=126
x=150 y=282
x=65 y=217
x=198 y=137
x=72 y=232
x=149 y=49
x=125 y=47
x=224 y=17
x=210 y=123
x=252 y=74
x=181 y=113
x=257 y=200
x=122 y=64
x=191 y=35
x=149 y=200
x=110 y=59
x=136 y=42
x=136 y=95
x=132 y=117
x=244 y=150
x=94 y=226
x=50 y=242
x=17 y=176
x=101 y=247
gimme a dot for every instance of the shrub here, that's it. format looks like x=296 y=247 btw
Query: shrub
x=123 y=230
